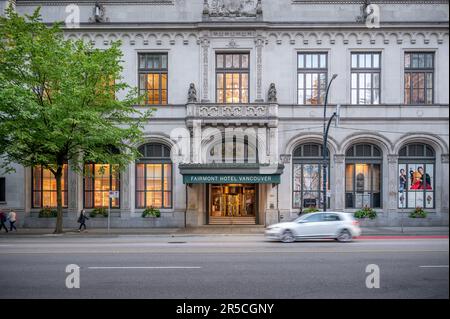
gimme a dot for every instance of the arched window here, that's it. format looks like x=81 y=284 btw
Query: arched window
x=363 y=176
x=307 y=176
x=234 y=150
x=416 y=164
x=43 y=188
x=154 y=177
x=99 y=179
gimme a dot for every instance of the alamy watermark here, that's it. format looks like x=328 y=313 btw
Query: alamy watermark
x=373 y=279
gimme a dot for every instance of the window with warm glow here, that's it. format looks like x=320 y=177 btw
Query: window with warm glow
x=44 y=187
x=153 y=77
x=232 y=77
x=99 y=179
x=419 y=74
x=154 y=177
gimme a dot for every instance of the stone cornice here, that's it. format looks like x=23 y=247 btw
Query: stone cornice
x=356 y=2
x=92 y=2
x=365 y=38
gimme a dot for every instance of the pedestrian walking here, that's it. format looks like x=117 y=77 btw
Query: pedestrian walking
x=82 y=219
x=12 y=220
x=2 y=221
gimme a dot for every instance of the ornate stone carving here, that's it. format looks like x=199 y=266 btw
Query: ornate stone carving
x=259 y=42
x=229 y=111
x=272 y=96
x=192 y=94
x=232 y=8
x=205 y=52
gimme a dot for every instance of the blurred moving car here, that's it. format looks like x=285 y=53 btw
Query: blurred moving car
x=324 y=225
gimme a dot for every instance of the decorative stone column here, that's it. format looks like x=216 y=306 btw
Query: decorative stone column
x=126 y=192
x=444 y=209
x=392 y=184
x=259 y=42
x=338 y=187
x=205 y=44
x=75 y=198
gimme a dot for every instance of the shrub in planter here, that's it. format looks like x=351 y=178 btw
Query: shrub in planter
x=418 y=213
x=151 y=212
x=47 y=213
x=365 y=212
x=99 y=212
x=310 y=210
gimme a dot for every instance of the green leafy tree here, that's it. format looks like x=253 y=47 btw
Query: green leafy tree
x=58 y=101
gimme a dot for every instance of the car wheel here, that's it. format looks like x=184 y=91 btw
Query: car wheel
x=344 y=236
x=287 y=237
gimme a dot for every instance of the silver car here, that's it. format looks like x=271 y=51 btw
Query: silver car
x=324 y=225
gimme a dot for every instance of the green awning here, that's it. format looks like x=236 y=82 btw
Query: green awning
x=231 y=173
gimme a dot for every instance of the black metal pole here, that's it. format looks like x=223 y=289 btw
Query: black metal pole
x=324 y=146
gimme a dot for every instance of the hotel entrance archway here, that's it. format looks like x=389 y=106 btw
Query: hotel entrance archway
x=232 y=203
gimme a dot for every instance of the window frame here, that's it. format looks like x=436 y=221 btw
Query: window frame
x=224 y=71
x=159 y=71
x=365 y=70
x=425 y=70
x=162 y=160
x=65 y=193
x=311 y=70
x=93 y=191
x=369 y=160
x=309 y=160
x=407 y=160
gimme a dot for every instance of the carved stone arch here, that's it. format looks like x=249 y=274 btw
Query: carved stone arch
x=286 y=37
x=422 y=38
x=179 y=37
x=368 y=38
x=273 y=37
x=379 y=140
x=439 y=145
x=158 y=137
x=353 y=38
x=86 y=37
x=139 y=38
x=299 y=36
x=125 y=38
x=151 y=38
x=73 y=37
x=380 y=37
x=326 y=37
x=165 y=38
x=304 y=138
x=191 y=38
x=113 y=37
x=394 y=37
x=341 y=37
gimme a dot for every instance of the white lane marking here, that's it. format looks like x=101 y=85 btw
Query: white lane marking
x=133 y=267
x=434 y=266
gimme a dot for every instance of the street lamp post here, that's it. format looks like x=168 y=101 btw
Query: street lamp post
x=324 y=147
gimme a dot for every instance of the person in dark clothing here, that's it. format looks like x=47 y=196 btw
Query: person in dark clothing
x=2 y=221
x=82 y=219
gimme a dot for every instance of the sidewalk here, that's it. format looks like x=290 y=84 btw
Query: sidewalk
x=219 y=230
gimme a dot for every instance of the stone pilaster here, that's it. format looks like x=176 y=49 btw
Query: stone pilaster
x=339 y=182
x=74 y=191
x=259 y=42
x=392 y=192
x=444 y=209
x=126 y=192
x=205 y=45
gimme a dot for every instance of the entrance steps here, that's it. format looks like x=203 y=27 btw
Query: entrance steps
x=247 y=220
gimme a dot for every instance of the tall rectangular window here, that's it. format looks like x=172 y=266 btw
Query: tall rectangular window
x=44 y=187
x=153 y=77
x=365 y=78
x=154 y=185
x=2 y=189
x=232 y=77
x=98 y=181
x=419 y=74
x=312 y=70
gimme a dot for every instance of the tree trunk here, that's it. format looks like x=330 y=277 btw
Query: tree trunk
x=59 y=215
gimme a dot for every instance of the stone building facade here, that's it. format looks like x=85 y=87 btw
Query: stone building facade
x=253 y=115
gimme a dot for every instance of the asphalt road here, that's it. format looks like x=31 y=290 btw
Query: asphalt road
x=206 y=267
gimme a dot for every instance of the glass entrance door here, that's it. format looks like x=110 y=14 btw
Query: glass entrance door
x=233 y=200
